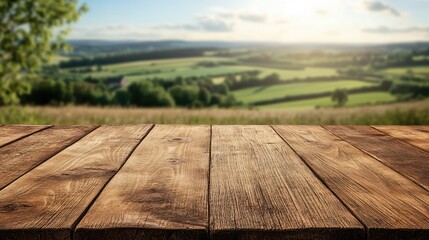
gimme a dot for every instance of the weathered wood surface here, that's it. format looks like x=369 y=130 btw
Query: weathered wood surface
x=214 y=182
x=47 y=202
x=410 y=161
x=260 y=189
x=21 y=156
x=160 y=193
x=389 y=205
x=10 y=133
x=415 y=135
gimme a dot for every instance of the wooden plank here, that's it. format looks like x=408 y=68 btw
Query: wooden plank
x=21 y=156
x=10 y=133
x=390 y=205
x=47 y=202
x=410 y=161
x=160 y=193
x=260 y=189
x=415 y=135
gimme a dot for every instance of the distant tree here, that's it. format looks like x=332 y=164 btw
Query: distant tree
x=27 y=39
x=340 y=96
x=216 y=99
x=229 y=101
x=47 y=91
x=122 y=97
x=272 y=78
x=223 y=89
x=146 y=94
x=204 y=96
x=185 y=95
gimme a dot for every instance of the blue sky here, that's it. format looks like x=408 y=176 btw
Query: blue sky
x=350 y=21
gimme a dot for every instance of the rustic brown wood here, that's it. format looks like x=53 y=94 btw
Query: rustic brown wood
x=260 y=189
x=390 y=205
x=21 y=156
x=160 y=193
x=47 y=202
x=10 y=133
x=415 y=135
x=410 y=161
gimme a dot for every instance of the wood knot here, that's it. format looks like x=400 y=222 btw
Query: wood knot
x=180 y=140
x=12 y=207
x=174 y=161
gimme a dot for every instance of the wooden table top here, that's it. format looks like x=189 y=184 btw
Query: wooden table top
x=214 y=182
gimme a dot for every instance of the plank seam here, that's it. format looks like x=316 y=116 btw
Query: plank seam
x=402 y=140
x=73 y=227
x=379 y=160
x=62 y=149
x=16 y=140
x=209 y=183
x=325 y=184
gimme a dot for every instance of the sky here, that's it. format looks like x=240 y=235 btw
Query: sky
x=288 y=21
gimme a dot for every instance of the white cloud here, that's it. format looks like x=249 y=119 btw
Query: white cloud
x=378 y=6
x=387 y=30
x=253 y=17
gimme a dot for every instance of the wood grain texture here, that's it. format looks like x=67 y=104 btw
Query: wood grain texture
x=47 y=202
x=415 y=135
x=21 y=156
x=260 y=189
x=10 y=133
x=160 y=193
x=410 y=161
x=390 y=205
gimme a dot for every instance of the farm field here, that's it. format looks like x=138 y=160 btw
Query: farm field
x=188 y=67
x=147 y=67
x=423 y=70
x=254 y=75
x=255 y=94
x=294 y=74
x=191 y=72
x=354 y=100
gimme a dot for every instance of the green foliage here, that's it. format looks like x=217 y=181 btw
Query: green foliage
x=123 y=97
x=340 y=96
x=146 y=94
x=185 y=95
x=48 y=91
x=28 y=39
x=204 y=96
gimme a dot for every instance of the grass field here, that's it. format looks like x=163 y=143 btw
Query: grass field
x=410 y=113
x=292 y=74
x=354 y=100
x=161 y=66
x=187 y=67
x=424 y=70
x=191 y=72
x=255 y=94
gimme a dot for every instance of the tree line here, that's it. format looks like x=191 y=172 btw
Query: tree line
x=181 y=92
x=130 y=57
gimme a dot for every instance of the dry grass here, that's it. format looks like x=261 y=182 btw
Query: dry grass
x=399 y=113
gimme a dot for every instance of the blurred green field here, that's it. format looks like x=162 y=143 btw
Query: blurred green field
x=191 y=72
x=188 y=67
x=423 y=70
x=145 y=68
x=354 y=100
x=255 y=94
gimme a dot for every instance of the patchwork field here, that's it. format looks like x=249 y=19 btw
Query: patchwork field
x=354 y=100
x=255 y=94
x=423 y=70
x=305 y=68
